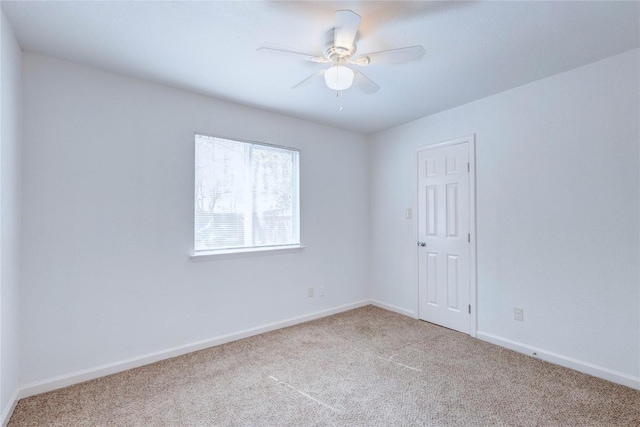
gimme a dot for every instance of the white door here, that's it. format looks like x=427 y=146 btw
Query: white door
x=443 y=235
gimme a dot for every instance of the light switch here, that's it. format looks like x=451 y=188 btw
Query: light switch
x=408 y=214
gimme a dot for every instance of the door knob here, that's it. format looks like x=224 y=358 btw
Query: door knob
x=422 y=244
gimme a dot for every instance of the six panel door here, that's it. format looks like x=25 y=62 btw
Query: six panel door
x=443 y=226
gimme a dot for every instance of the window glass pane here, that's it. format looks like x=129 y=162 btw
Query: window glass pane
x=272 y=192
x=246 y=195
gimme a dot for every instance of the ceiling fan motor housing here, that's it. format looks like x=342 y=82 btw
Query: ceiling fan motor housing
x=335 y=53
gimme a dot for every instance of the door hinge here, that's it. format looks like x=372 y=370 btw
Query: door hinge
x=468 y=167
x=469 y=308
x=469 y=237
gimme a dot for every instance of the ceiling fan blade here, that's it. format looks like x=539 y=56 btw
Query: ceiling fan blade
x=347 y=22
x=307 y=56
x=310 y=78
x=364 y=83
x=391 y=56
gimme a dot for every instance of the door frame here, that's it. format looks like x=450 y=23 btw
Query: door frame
x=473 y=266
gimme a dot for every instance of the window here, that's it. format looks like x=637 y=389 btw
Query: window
x=246 y=196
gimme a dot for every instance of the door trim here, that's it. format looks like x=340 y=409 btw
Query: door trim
x=473 y=266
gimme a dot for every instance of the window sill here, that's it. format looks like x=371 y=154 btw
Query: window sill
x=243 y=253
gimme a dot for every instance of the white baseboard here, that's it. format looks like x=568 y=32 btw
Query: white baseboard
x=134 y=362
x=567 y=362
x=8 y=411
x=393 y=308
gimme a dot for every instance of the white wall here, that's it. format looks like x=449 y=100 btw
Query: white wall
x=10 y=209
x=557 y=212
x=108 y=221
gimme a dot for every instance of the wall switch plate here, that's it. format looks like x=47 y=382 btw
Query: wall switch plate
x=517 y=314
x=408 y=213
x=310 y=292
x=321 y=291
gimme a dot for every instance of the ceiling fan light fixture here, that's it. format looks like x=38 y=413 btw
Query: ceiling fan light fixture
x=338 y=77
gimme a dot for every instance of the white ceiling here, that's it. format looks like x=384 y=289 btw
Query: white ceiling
x=473 y=49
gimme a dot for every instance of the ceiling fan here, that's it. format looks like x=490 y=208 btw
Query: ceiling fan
x=340 y=52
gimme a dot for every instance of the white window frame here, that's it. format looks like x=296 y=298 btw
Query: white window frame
x=253 y=250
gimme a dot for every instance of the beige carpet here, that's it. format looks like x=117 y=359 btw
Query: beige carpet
x=365 y=367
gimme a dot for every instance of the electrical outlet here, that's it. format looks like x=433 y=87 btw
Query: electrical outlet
x=310 y=292
x=517 y=314
x=321 y=291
